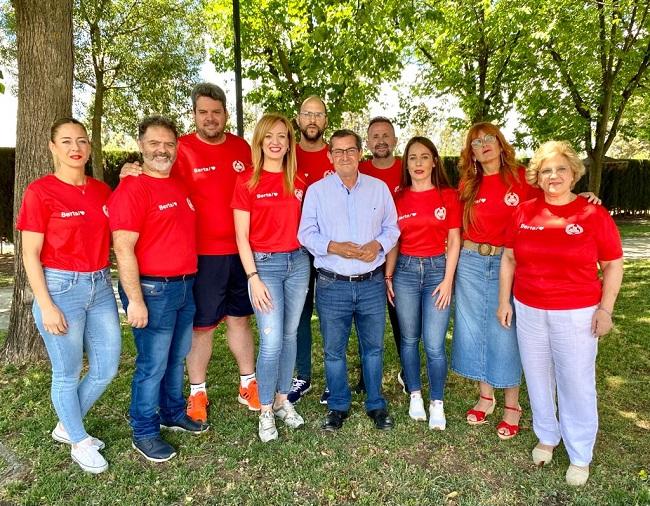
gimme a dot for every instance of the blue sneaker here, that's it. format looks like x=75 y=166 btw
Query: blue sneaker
x=299 y=387
x=185 y=424
x=154 y=449
x=325 y=396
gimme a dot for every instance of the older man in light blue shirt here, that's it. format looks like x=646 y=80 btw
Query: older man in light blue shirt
x=349 y=223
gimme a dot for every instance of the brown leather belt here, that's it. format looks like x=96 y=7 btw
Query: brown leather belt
x=482 y=248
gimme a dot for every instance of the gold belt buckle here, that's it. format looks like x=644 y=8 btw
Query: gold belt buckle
x=485 y=249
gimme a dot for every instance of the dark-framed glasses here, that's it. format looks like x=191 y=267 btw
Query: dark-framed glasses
x=338 y=153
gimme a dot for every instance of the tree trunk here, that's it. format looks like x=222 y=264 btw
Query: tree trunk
x=595 y=172
x=96 y=142
x=45 y=63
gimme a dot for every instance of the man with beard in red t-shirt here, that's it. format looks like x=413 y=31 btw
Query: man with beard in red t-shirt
x=384 y=165
x=313 y=165
x=209 y=161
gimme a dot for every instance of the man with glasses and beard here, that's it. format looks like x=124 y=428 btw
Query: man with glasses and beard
x=151 y=216
x=313 y=164
x=349 y=223
x=384 y=165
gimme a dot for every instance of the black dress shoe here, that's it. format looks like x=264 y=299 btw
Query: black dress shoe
x=185 y=424
x=382 y=419
x=334 y=420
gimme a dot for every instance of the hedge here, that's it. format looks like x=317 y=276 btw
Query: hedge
x=625 y=189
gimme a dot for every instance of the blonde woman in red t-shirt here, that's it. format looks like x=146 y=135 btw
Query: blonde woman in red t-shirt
x=267 y=206
x=554 y=248
x=65 y=244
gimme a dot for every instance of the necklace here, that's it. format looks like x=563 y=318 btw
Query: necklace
x=82 y=187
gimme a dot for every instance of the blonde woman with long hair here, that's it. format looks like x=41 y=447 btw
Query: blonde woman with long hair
x=267 y=206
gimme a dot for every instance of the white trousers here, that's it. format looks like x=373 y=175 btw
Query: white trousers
x=558 y=355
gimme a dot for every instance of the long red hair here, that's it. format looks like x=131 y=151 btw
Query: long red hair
x=471 y=170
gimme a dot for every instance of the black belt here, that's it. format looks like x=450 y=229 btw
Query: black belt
x=167 y=279
x=354 y=277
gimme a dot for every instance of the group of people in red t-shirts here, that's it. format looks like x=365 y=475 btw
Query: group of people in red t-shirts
x=205 y=230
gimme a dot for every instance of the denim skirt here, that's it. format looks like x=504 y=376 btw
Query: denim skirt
x=482 y=349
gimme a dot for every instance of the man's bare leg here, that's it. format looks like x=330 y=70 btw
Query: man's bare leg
x=199 y=356
x=240 y=342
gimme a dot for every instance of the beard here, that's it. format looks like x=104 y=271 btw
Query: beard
x=159 y=163
x=311 y=137
x=381 y=151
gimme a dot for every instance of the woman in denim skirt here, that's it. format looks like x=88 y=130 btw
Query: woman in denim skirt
x=419 y=277
x=491 y=187
x=267 y=205
x=65 y=244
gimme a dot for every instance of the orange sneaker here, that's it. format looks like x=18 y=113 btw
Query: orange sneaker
x=197 y=407
x=249 y=396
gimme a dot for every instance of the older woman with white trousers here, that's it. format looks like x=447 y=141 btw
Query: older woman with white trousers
x=553 y=252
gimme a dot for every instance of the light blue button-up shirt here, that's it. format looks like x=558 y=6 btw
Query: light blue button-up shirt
x=332 y=212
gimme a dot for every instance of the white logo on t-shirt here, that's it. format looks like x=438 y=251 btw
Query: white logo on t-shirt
x=573 y=229
x=511 y=199
x=266 y=195
x=197 y=170
x=407 y=215
x=238 y=166
x=328 y=173
x=189 y=203
x=168 y=205
x=482 y=200
x=523 y=226
x=70 y=214
x=440 y=213
x=298 y=193
x=105 y=209
x=396 y=189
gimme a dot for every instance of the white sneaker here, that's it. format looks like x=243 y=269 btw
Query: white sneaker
x=437 y=418
x=288 y=414
x=88 y=457
x=266 y=427
x=61 y=435
x=416 y=408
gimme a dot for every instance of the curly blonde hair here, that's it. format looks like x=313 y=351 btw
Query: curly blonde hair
x=548 y=150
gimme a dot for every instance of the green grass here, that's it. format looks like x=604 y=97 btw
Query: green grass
x=633 y=228
x=410 y=465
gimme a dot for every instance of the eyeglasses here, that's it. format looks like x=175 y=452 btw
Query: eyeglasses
x=478 y=143
x=338 y=153
x=549 y=171
x=309 y=115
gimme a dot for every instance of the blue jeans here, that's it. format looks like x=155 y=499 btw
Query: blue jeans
x=87 y=301
x=338 y=303
x=157 y=386
x=286 y=276
x=414 y=280
x=304 y=337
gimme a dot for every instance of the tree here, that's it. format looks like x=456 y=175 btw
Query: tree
x=580 y=86
x=340 y=50
x=471 y=49
x=138 y=58
x=45 y=59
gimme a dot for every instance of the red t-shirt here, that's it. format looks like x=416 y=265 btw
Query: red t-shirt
x=73 y=222
x=557 y=249
x=493 y=207
x=424 y=220
x=160 y=210
x=392 y=176
x=313 y=165
x=274 y=214
x=209 y=171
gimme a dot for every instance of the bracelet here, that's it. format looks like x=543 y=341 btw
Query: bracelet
x=254 y=273
x=605 y=310
x=388 y=278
